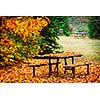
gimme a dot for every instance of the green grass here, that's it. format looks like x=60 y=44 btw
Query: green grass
x=88 y=47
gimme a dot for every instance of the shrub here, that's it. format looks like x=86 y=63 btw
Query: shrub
x=94 y=27
x=20 y=37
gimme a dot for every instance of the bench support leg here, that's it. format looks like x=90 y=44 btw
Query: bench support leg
x=87 y=69
x=65 y=71
x=33 y=71
x=73 y=72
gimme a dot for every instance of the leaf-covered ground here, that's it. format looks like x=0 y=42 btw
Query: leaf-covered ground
x=22 y=73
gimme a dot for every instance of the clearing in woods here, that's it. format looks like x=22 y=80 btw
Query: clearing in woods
x=88 y=47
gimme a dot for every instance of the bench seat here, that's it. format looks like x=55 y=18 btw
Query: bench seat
x=38 y=65
x=73 y=66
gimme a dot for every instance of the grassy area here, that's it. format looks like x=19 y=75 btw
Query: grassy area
x=88 y=47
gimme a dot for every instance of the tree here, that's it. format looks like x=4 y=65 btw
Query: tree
x=59 y=22
x=20 y=37
x=79 y=23
x=94 y=27
x=51 y=33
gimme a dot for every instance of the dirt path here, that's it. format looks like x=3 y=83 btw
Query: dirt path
x=87 y=47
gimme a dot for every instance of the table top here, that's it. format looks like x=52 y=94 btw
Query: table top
x=56 y=56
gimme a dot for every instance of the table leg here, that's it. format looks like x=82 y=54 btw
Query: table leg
x=72 y=60
x=65 y=65
x=57 y=65
x=65 y=61
x=50 y=67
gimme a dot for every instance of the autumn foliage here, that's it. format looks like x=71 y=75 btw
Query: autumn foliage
x=22 y=73
x=20 y=37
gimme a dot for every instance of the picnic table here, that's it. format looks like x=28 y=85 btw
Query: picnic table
x=80 y=34
x=57 y=58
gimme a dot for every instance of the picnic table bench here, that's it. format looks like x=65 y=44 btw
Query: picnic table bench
x=66 y=66
x=73 y=66
x=39 y=65
x=50 y=63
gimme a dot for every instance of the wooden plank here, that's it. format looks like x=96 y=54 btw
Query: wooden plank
x=77 y=65
x=33 y=65
x=38 y=65
x=55 y=57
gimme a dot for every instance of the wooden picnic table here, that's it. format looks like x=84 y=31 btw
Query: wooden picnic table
x=80 y=34
x=49 y=58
